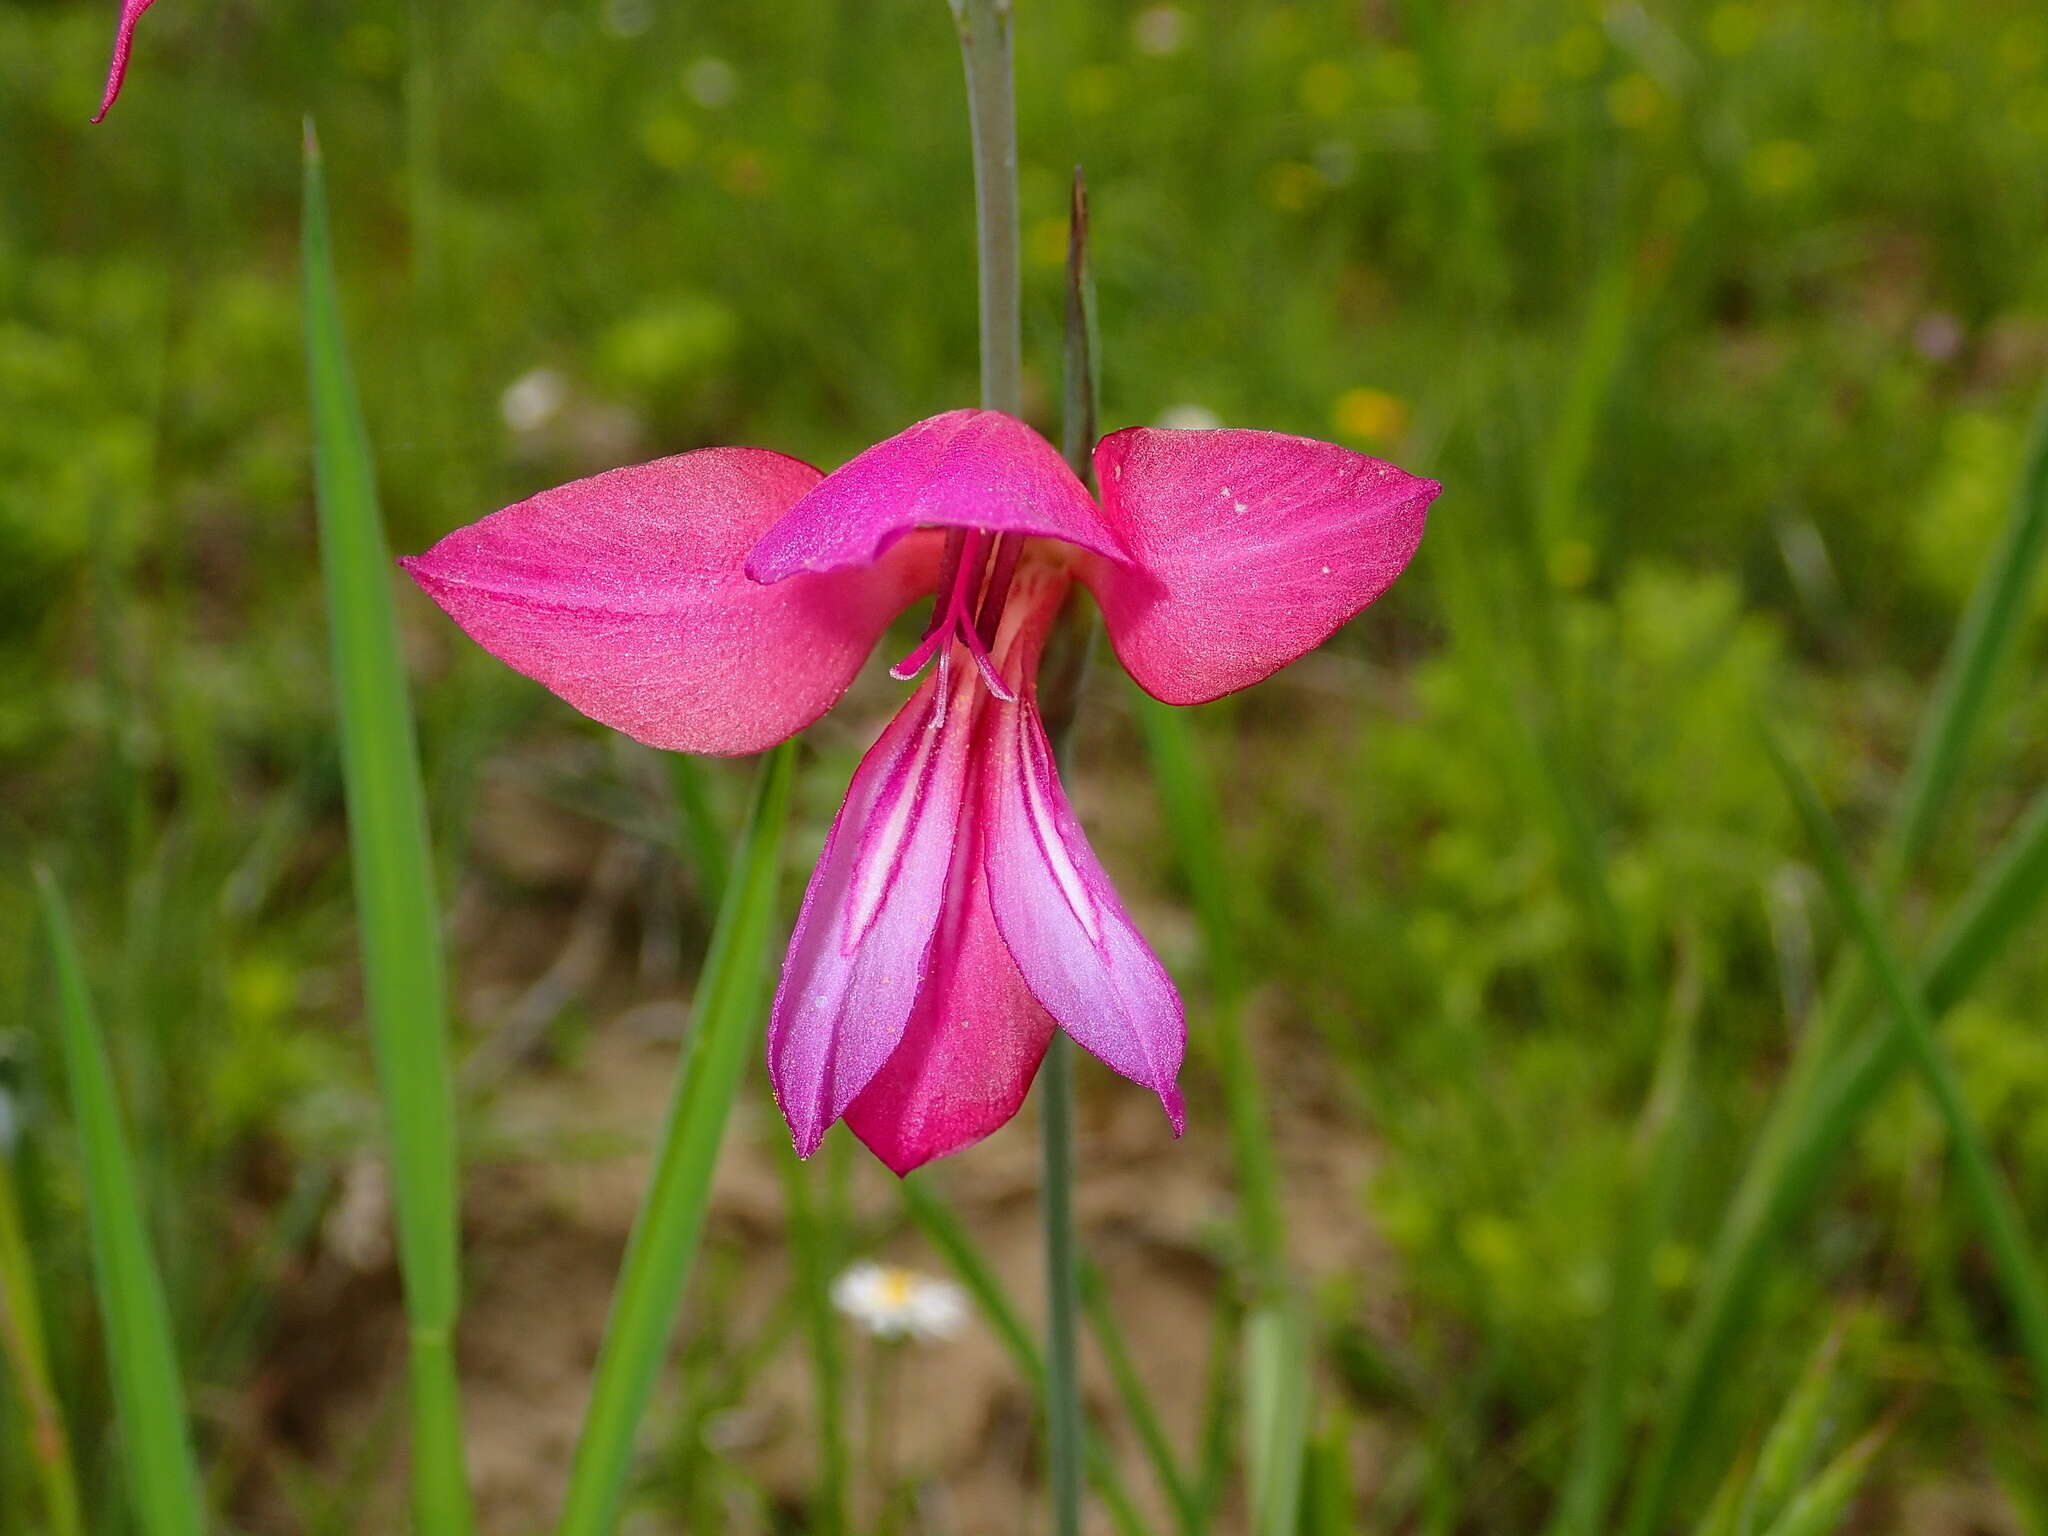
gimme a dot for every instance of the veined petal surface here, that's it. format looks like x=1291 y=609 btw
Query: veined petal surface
x=973 y=1042
x=1247 y=550
x=965 y=469
x=1060 y=918
x=625 y=594
x=861 y=955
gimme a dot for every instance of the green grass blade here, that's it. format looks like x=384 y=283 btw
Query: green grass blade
x=1194 y=820
x=1277 y=1400
x=1790 y=1447
x=156 y=1440
x=404 y=986
x=731 y=995
x=943 y=1229
x=23 y=1344
x=1983 y=640
x=1789 y=1167
x=1998 y=1216
x=1996 y=907
x=1137 y=1401
x=1818 y=1508
x=1648 y=1209
x=814 y=1250
x=697 y=825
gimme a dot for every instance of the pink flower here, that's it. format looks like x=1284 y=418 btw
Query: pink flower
x=124 y=43
x=721 y=600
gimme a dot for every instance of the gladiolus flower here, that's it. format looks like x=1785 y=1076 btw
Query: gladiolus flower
x=722 y=600
x=124 y=44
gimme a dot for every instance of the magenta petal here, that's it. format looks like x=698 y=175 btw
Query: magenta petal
x=1077 y=948
x=860 y=955
x=1248 y=549
x=965 y=469
x=971 y=1047
x=124 y=43
x=624 y=594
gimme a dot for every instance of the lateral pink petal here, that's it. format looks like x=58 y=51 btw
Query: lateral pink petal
x=624 y=594
x=1076 y=947
x=124 y=44
x=965 y=469
x=1248 y=550
x=971 y=1047
x=862 y=950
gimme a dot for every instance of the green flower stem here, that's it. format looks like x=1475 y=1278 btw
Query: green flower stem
x=992 y=112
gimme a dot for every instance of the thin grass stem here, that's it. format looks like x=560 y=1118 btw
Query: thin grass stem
x=663 y=1248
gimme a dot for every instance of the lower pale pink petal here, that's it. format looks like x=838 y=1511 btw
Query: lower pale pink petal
x=124 y=44
x=971 y=1047
x=1078 y=950
x=861 y=953
x=624 y=593
x=1247 y=549
x=965 y=469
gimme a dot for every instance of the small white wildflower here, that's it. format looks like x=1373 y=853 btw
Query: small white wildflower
x=531 y=400
x=358 y=1225
x=1160 y=30
x=711 y=82
x=1189 y=418
x=891 y=1302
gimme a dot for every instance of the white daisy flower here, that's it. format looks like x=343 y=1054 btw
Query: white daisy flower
x=891 y=1302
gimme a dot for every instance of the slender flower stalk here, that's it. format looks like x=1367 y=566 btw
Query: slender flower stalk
x=1065 y=1427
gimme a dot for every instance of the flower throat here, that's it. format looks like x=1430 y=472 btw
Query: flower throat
x=974 y=582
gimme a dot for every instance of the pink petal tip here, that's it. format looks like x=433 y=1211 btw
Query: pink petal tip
x=124 y=44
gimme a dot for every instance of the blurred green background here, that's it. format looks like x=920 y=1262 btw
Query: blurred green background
x=1721 y=324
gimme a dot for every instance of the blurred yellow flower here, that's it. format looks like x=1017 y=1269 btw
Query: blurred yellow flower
x=1369 y=416
x=668 y=140
x=1780 y=167
x=1325 y=88
x=1635 y=100
x=1291 y=186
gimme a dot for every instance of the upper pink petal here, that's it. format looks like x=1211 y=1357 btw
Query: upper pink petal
x=971 y=1047
x=124 y=44
x=1077 y=948
x=1248 y=549
x=965 y=469
x=624 y=593
x=861 y=953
